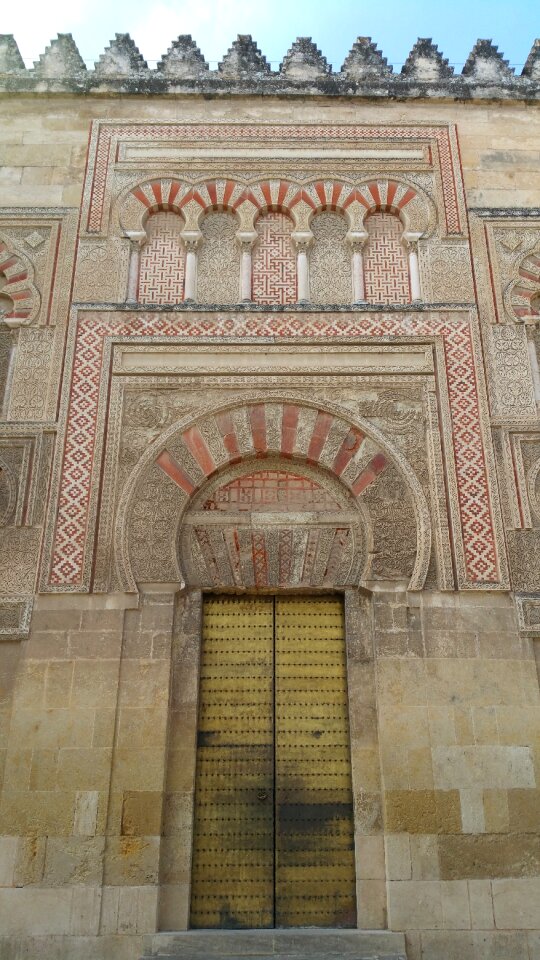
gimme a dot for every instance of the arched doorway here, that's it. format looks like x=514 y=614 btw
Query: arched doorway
x=257 y=502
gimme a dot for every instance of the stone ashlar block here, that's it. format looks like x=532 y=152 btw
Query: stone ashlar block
x=489 y=855
x=33 y=911
x=423 y=811
x=84 y=769
x=73 y=860
x=481 y=904
x=473 y=945
x=175 y=865
x=141 y=814
x=32 y=814
x=524 y=810
x=131 y=861
x=94 y=683
x=516 y=903
x=428 y=905
x=483 y=766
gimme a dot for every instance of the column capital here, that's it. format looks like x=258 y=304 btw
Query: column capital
x=302 y=239
x=410 y=239
x=246 y=238
x=191 y=239
x=136 y=237
x=357 y=239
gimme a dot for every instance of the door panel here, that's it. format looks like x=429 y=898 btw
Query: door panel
x=233 y=850
x=315 y=869
x=273 y=828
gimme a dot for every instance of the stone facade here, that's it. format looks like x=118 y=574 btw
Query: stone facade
x=250 y=348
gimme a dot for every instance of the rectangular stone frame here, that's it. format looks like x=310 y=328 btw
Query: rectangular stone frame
x=474 y=507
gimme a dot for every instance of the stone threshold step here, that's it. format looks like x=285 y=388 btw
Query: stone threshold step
x=304 y=944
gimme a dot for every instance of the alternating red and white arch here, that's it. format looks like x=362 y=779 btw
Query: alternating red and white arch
x=170 y=194
x=18 y=286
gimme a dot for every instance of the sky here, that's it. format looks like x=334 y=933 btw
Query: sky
x=394 y=25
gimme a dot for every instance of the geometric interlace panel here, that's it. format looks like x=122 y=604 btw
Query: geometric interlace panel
x=274 y=260
x=386 y=271
x=273 y=830
x=161 y=271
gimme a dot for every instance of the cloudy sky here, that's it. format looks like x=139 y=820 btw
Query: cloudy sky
x=334 y=24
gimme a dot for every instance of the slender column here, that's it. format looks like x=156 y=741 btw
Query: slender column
x=414 y=273
x=246 y=238
x=133 y=274
x=411 y=243
x=245 y=272
x=358 y=273
x=302 y=239
x=302 y=268
x=357 y=240
x=190 y=281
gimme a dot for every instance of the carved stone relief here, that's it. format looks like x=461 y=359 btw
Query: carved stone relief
x=32 y=374
x=44 y=239
x=25 y=465
x=330 y=260
x=270 y=524
x=512 y=392
x=185 y=458
x=507 y=250
x=450 y=274
x=102 y=269
x=8 y=492
x=218 y=269
x=6 y=346
x=19 y=559
x=524 y=559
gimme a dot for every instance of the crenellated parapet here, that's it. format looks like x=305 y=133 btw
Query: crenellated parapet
x=244 y=69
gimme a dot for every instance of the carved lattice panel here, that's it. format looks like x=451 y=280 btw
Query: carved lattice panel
x=386 y=272
x=162 y=265
x=274 y=261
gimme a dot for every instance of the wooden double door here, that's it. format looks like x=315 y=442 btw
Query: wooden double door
x=273 y=824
